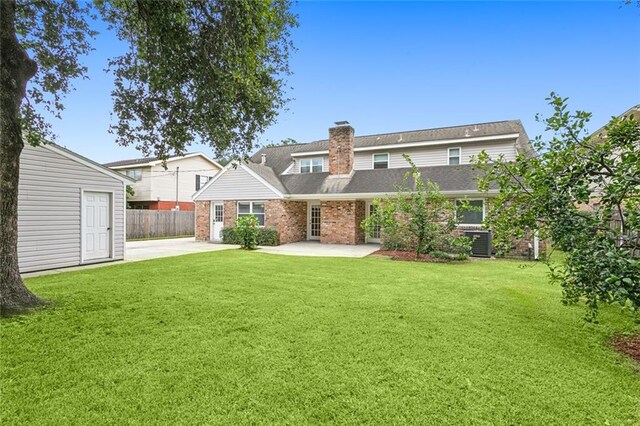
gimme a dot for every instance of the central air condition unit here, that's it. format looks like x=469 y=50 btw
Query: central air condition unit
x=480 y=243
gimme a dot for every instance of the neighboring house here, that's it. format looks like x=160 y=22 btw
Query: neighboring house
x=71 y=210
x=157 y=188
x=599 y=136
x=323 y=190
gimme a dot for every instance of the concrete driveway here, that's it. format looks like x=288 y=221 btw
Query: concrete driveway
x=154 y=249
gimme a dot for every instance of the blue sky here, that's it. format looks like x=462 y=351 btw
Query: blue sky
x=397 y=66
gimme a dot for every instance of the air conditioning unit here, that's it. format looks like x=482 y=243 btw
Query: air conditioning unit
x=480 y=243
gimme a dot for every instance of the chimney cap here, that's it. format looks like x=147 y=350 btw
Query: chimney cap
x=341 y=123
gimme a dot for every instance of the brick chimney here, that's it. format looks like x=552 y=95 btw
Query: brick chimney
x=341 y=148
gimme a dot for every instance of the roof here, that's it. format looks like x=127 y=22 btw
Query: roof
x=450 y=178
x=459 y=178
x=154 y=161
x=86 y=161
x=633 y=112
x=279 y=157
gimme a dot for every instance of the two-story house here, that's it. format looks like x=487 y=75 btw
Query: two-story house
x=160 y=188
x=323 y=190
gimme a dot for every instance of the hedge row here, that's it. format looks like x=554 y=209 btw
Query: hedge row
x=267 y=237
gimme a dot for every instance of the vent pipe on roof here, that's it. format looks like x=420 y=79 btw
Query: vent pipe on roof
x=263 y=159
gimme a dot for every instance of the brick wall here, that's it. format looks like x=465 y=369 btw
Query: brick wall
x=340 y=222
x=203 y=220
x=230 y=214
x=289 y=217
x=341 y=142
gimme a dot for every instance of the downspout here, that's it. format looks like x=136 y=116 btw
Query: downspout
x=536 y=246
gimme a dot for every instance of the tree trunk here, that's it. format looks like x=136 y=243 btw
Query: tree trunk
x=16 y=68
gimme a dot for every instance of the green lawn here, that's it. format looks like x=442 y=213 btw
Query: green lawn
x=238 y=337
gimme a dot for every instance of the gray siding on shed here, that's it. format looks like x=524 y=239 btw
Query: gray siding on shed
x=49 y=226
x=237 y=184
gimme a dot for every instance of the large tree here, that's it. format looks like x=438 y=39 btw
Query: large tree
x=582 y=192
x=210 y=71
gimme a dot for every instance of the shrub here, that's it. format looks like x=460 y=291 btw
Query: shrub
x=248 y=230
x=458 y=246
x=266 y=236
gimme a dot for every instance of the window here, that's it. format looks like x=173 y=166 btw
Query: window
x=472 y=216
x=135 y=174
x=256 y=208
x=380 y=161
x=454 y=156
x=201 y=180
x=311 y=165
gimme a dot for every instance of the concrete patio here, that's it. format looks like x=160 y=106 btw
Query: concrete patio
x=314 y=248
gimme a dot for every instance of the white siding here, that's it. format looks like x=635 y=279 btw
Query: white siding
x=141 y=188
x=158 y=184
x=325 y=163
x=163 y=182
x=49 y=195
x=237 y=184
x=436 y=155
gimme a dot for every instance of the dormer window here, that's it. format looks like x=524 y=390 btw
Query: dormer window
x=454 y=156
x=380 y=161
x=311 y=165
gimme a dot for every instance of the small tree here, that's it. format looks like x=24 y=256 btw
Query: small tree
x=247 y=228
x=553 y=193
x=419 y=216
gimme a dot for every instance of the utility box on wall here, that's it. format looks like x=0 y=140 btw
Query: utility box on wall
x=481 y=243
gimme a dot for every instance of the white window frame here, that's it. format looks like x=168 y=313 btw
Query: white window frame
x=311 y=164
x=459 y=156
x=373 y=160
x=251 y=210
x=484 y=209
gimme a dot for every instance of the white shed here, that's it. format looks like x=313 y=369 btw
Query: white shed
x=71 y=210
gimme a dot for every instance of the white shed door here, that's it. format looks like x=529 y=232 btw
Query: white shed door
x=96 y=225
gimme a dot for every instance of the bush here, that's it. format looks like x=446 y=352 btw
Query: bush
x=266 y=236
x=459 y=246
x=248 y=230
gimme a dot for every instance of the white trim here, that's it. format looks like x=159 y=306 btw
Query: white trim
x=212 y=216
x=365 y=195
x=287 y=171
x=373 y=160
x=86 y=162
x=368 y=213
x=310 y=165
x=309 y=153
x=416 y=144
x=264 y=214
x=536 y=245
x=124 y=221
x=459 y=148
x=437 y=142
x=176 y=158
x=210 y=182
x=112 y=232
x=484 y=208
x=309 y=204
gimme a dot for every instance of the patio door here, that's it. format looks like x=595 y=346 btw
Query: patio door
x=314 y=221
x=217 y=221
x=375 y=235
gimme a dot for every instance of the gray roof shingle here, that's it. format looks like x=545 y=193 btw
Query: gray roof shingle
x=448 y=178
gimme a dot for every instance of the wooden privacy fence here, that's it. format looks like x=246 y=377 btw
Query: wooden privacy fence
x=159 y=223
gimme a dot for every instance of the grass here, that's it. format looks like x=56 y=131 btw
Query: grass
x=241 y=337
